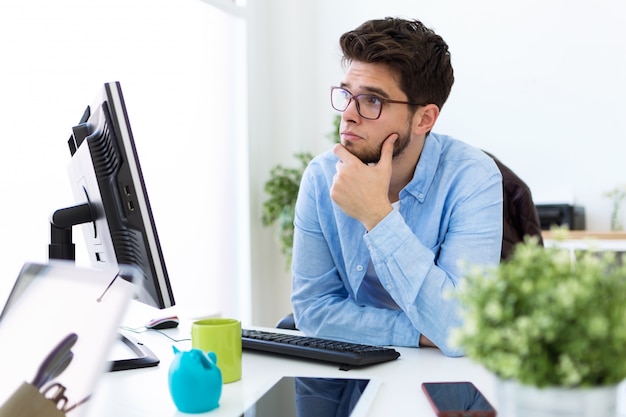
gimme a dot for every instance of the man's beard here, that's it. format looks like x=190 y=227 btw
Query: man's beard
x=372 y=156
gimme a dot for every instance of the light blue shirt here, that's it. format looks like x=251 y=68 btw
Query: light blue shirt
x=450 y=217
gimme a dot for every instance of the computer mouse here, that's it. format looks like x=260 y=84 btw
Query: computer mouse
x=163 y=323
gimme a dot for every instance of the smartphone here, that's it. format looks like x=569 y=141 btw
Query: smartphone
x=457 y=399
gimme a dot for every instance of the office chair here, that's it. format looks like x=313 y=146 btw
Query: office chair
x=288 y=322
x=519 y=219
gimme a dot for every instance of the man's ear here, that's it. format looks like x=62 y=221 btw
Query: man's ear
x=427 y=116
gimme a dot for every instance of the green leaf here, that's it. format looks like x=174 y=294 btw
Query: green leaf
x=279 y=209
x=548 y=317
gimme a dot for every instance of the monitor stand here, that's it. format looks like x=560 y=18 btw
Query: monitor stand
x=61 y=247
x=144 y=358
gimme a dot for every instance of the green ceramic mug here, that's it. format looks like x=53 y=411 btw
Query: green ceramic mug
x=223 y=337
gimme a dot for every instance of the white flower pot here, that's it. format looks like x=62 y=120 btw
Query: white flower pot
x=517 y=400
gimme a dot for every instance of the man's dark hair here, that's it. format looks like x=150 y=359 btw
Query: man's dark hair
x=419 y=57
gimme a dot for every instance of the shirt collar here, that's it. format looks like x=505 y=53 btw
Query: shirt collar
x=426 y=168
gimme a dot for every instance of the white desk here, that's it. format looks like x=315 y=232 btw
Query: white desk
x=583 y=239
x=144 y=392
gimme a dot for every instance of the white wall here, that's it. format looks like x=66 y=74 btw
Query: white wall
x=283 y=110
x=539 y=83
x=181 y=67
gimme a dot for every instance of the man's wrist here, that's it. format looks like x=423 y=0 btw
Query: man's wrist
x=377 y=217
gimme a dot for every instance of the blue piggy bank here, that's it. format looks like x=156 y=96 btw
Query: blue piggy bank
x=195 y=381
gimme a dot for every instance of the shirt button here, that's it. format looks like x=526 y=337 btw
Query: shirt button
x=359 y=268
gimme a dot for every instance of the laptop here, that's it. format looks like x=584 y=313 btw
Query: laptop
x=58 y=307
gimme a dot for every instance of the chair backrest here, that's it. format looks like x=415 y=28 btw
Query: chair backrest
x=520 y=216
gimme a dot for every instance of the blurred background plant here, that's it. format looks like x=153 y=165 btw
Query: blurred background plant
x=279 y=208
x=282 y=188
x=617 y=196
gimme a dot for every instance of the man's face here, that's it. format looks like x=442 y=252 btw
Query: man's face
x=364 y=137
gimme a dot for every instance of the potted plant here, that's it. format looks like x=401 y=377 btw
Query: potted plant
x=282 y=188
x=550 y=323
x=279 y=208
x=617 y=196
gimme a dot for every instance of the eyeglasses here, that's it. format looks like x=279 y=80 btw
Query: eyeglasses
x=368 y=106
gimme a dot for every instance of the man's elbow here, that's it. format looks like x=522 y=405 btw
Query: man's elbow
x=453 y=352
x=445 y=348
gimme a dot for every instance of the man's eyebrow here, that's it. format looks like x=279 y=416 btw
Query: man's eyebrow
x=376 y=90
x=368 y=90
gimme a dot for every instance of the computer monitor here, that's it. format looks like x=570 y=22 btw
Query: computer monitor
x=112 y=201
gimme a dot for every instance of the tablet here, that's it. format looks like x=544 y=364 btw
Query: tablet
x=295 y=396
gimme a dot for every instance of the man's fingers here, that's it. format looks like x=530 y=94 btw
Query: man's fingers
x=386 y=153
x=342 y=153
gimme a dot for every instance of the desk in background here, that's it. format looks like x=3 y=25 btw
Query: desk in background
x=584 y=239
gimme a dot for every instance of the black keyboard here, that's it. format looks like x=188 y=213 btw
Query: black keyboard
x=347 y=355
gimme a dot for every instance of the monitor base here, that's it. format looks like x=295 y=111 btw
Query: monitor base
x=144 y=358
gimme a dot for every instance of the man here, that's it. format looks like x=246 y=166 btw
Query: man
x=386 y=223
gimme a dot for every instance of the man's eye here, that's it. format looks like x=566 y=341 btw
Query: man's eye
x=371 y=100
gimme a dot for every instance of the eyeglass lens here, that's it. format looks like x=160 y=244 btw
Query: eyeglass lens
x=368 y=106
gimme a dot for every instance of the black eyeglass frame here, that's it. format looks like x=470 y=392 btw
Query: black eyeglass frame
x=356 y=98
